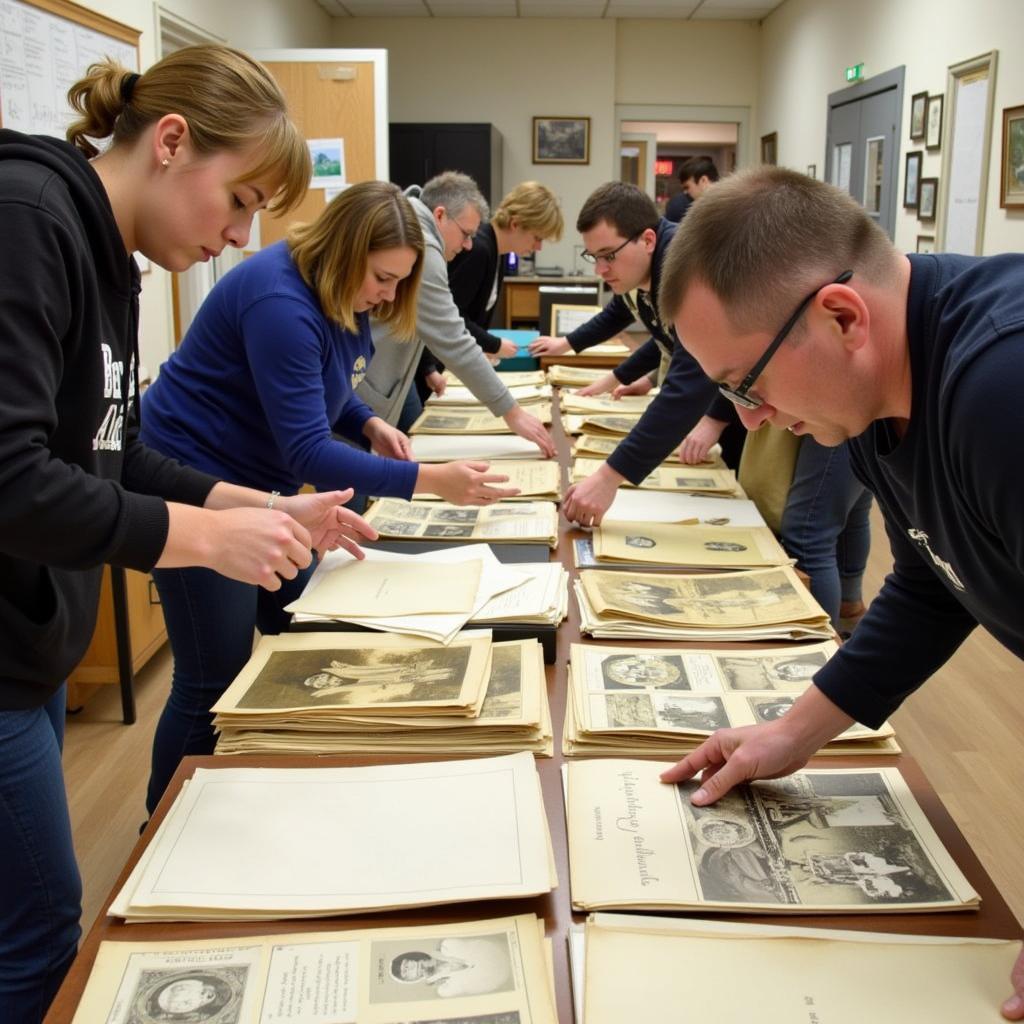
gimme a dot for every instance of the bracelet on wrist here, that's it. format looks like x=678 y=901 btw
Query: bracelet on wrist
x=274 y=495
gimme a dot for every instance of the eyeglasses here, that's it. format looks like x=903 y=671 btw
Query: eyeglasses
x=466 y=235
x=608 y=257
x=740 y=395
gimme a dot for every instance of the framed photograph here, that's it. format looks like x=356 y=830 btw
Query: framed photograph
x=928 y=192
x=933 y=122
x=925 y=243
x=1011 y=179
x=770 y=148
x=912 y=179
x=561 y=140
x=918 y=102
x=812 y=170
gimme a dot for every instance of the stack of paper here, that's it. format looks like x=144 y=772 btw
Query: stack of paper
x=512 y=379
x=604 y=348
x=264 y=843
x=626 y=701
x=458 y=395
x=543 y=599
x=628 y=405
x=476 y=447
x=821 y=841
x=535 y=480
x=330 y=595
x=634 y=506
x=470 y=421
x=569 y=376
x=764 y=604
x=672 y=477
x=491 y=970
x=611 y=425
x=591 y=446
x=340 y=693
x=521 y=522
x=788 y=974
x=688 y=546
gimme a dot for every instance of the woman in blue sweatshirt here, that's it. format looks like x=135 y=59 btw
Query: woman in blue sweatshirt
x=264 y=378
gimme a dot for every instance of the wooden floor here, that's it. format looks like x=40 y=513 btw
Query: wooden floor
x=966 y=728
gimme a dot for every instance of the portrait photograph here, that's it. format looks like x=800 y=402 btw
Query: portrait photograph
x=927 y=198
x=413 y=970
x=206 y=995
x=1011 y=185
x=561 y=140
x=912 y=179
x=918 y=103
x=933 y=122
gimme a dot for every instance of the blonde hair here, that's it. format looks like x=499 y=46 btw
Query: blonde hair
x=331 y=252
x=228 y=100
x=534 y=208
x=761 y=238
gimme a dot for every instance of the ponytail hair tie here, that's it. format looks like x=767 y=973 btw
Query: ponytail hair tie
x=128 y=87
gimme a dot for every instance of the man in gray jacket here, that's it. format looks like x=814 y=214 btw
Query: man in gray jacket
x=450 y=208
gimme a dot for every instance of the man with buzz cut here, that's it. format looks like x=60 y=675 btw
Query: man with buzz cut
x=797 y=302
x=626 y=241
x=449 y=208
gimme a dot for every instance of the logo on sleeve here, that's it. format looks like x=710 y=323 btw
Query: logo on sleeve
x=358 y=371
x=920 y=538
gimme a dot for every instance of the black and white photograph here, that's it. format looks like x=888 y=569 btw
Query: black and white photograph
x=783 y=672
x=455 y=515
x=504 y=697
x=208 y=995
x=561 y=140
x=770 y=709
x=397 y=527
x=438 y=421
x=630 y=711
x=630 y=671
x=507 y=1017
x=692 y=714
x=833 y=839
x=405 y=970
x=448 y=530
x=639 y=541
x=330 y=677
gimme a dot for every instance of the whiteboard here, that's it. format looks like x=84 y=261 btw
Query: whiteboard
x=41 y=56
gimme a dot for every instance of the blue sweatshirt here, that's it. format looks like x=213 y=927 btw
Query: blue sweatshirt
x=259 y=382
x=951 y=489
x=686 y=392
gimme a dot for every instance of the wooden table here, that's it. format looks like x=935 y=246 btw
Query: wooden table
x=993 y=920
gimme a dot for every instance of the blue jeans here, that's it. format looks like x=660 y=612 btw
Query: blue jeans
x=825 y=524
x=41 y=890
x=210 y=624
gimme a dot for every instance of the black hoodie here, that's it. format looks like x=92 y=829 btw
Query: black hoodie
x=77 y=489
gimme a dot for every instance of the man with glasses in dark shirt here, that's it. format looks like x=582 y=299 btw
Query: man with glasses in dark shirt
x=917 y=362
x=626 y=241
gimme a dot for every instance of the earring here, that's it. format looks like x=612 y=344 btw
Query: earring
x=165 y=162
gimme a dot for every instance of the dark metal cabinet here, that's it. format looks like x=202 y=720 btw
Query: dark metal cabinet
x=419 y=151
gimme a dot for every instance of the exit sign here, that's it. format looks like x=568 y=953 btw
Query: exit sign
x=855 y=72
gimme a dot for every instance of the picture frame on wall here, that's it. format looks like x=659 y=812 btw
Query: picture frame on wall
x=912 y=178
x=561 y=140
x=1011 y=175
x=770 y=148
x=918 y=103
x=925 y=243
x=933 y=122
x=927 y=198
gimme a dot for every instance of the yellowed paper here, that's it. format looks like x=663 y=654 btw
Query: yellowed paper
x=719 y=547
x=534 y=480
x=820 y=841
x=523 y=521
x=475 y=447
x=493 y=969
x=461 y=421
x=675 y=477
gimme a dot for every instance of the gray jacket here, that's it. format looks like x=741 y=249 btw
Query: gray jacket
x=440 y=327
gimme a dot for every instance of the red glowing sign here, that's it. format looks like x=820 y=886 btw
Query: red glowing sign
x=662 y=166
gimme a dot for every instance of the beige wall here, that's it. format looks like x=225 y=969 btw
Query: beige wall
x=806 y=44
x=249 y=25
x=505 y=71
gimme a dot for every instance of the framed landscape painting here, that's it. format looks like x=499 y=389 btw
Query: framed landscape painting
x=561 y=140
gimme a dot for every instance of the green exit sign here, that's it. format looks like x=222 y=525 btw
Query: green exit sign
x=855 y=73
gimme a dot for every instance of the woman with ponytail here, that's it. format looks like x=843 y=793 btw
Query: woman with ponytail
x=190 y=151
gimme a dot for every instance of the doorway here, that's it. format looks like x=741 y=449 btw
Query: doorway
x=862 y=144
x=651 y=152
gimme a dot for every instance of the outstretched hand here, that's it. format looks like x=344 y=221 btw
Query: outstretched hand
x=329 y=525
